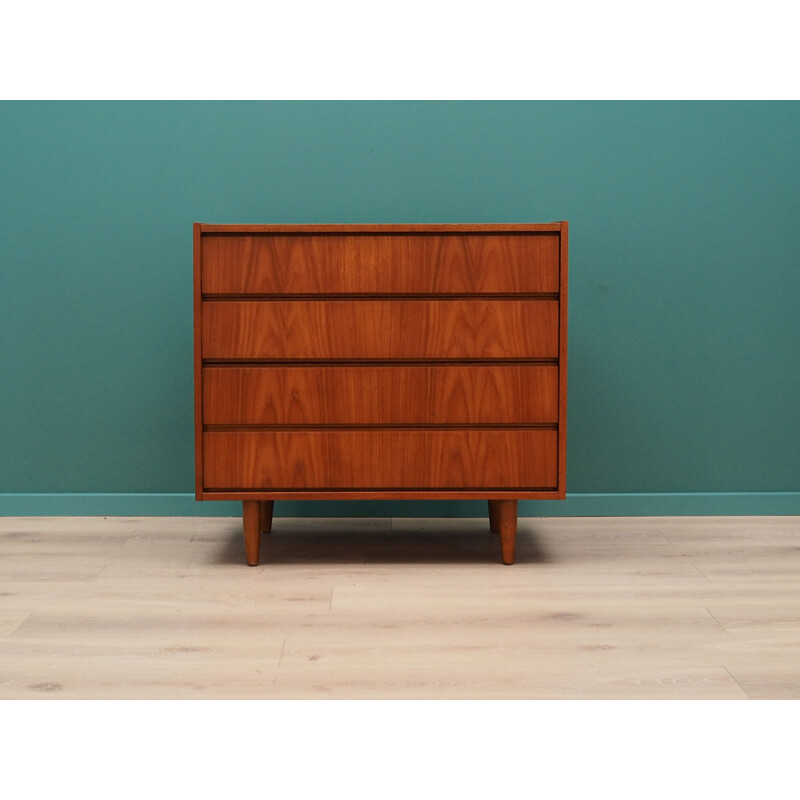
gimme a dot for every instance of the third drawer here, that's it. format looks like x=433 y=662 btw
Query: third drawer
x=369 y=394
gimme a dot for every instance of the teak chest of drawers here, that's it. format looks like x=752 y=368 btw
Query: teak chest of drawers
x=380 y=361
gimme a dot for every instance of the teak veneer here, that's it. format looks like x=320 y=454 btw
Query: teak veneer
x=380 y=361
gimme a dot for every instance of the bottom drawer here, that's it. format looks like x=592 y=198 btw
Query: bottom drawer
x=381 y=459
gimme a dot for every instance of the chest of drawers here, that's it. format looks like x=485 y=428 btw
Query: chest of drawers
x=380 y=362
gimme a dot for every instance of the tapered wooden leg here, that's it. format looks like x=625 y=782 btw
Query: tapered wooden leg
x=251 y=512
x=494 y=517
x=507 y=513
x=267 y=507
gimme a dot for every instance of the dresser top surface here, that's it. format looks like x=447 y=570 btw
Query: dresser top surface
x=490 y=227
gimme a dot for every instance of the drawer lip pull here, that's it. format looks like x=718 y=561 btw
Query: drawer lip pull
x=360 y=426
x=217 y=297
x=479 y=493
x=382 y=362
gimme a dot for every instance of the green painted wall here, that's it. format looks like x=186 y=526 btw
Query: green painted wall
x=684 y=286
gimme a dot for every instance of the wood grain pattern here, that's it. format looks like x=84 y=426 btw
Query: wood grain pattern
x=380 y=329
x=365 y=264
x=388 y=458
x=443 y=394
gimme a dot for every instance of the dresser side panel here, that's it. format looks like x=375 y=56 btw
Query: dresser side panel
x=562 y=361
x=198 y=360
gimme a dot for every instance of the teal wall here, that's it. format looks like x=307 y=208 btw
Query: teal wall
x=684 y=373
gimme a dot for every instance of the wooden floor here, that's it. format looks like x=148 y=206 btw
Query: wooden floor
x=122 y=607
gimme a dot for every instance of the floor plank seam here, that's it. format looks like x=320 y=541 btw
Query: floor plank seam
x=691 y=561
x=23 y=622
x=744 y=691
x=280 y=658
x=718 y=622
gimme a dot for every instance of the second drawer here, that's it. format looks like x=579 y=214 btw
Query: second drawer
x=388 y=329
x=436 y=394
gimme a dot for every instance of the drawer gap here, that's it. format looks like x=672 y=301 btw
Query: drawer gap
x=218 y=297
x=542 y=426
x=388 y=362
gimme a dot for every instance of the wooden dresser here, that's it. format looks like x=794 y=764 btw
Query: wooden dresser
x=380 y=361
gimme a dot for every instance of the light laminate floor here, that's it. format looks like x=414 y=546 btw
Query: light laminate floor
x=154 y=607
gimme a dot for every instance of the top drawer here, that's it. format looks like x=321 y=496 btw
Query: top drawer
x=380 y=264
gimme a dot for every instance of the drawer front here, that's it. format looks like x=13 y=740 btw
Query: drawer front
x=387 y=264
x=380 y=459
x=380 y=329
x=444 y=394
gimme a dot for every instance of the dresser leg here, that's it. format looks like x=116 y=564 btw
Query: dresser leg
x=251 y=512
x=507 y=520
x=267 y=506
x=494 y=516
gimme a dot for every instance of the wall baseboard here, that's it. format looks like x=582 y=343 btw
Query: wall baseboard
x=576 y=505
